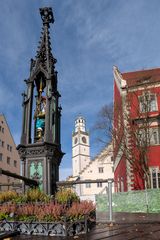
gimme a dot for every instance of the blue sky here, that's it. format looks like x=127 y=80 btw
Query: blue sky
x=88 y=38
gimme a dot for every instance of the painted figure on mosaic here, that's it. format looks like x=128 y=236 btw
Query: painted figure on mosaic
x=40 y=111
x=36 y=172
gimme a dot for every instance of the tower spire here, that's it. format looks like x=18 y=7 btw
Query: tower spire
x=44 y=60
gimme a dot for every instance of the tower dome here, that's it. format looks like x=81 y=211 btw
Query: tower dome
x=80 y=124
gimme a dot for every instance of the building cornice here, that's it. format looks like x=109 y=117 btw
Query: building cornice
x=81 y=154
x=80 y=132
x=120 y=82
x=81 y=144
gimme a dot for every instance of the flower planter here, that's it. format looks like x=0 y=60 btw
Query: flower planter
x=53 y=218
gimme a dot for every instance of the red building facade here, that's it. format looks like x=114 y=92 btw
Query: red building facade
x=136 y=129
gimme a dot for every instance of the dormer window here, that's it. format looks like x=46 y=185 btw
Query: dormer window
x=148 y=102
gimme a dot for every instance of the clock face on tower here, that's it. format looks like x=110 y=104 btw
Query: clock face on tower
x=84 y=140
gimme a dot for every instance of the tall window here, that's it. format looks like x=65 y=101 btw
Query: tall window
x=153 y=104
x=2 y=143
x=148 y=136
x=148 y=102
x=15 y=163
x=88 y=185
x=99 y=184
x=1 y=156
x=155 y=177
x=143 y=137
x=100 y=169
x=1 y=129
x=154 y=136
x=8 y=160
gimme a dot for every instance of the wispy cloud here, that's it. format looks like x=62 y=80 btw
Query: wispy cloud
x=88 y=38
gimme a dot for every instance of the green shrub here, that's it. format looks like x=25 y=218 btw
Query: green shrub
x=20 y=199
x=35 y=195
x=66 y=196
x=32 y=195
x=7 y=196
x=3 y=216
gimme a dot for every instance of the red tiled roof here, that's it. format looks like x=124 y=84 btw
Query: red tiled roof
x=142 y=76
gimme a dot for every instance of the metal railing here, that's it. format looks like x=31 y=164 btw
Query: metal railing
x=27 y=181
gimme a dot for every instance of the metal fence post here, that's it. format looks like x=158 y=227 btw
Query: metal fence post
x=110 y=199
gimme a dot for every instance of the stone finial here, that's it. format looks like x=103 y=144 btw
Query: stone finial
x=46 y=15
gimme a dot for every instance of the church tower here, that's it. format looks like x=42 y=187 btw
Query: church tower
x=80 y=146
x=40 y=146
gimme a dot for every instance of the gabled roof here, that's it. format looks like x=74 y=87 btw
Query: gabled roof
x=106 y=151
x=141 y=77
x=5 y=120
